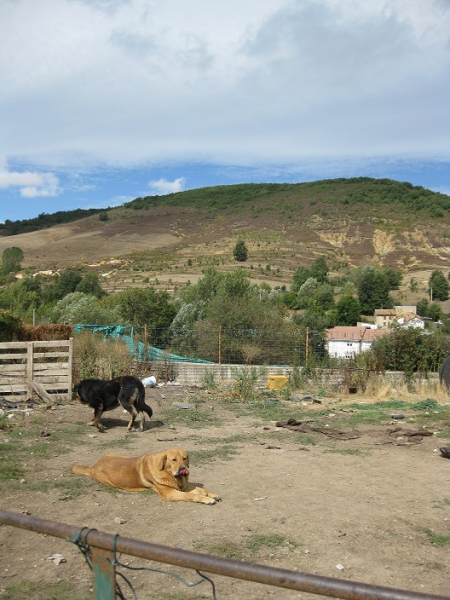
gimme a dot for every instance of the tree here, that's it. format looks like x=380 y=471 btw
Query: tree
x=299 y=277
x=434 y=311
x=348 y=310
x=319 y=269
x=240 y=251
x=78 y=309
x=67 y=282
x=373 y=289
x=11 y=259
x=438 y=286
x=140 y=307
x=91 y=285
x=9 y=326
x=394 y=277
x=422 y=307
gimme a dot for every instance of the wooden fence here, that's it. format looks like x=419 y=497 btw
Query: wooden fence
x=42 y=368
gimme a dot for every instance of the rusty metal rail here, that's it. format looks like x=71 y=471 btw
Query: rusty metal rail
x=104 y=546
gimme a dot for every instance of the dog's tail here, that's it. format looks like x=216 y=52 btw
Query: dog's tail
x=148 y=410
x=80 y=469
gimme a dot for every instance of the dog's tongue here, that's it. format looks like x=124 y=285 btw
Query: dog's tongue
x=183 y=471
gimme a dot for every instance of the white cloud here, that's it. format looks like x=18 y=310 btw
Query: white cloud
x=244 y=82
x=30 y=184
x=162 y=186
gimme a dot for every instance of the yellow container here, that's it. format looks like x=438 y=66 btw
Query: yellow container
x=277 y=382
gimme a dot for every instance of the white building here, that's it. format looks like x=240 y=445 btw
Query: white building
x=346 y=342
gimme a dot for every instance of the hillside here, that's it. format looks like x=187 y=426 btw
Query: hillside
x=170 y=239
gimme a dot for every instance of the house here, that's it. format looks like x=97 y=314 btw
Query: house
x=346 y=342
x=409 y=320
x=384 y=317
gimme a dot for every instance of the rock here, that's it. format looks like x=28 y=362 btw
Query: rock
x=119 y=520
x=182 y=405
x=57 y=559
x=445 y=451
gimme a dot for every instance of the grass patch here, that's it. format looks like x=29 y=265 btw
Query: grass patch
x=194 y=418
x=119 y=442
x=248 y=548
x=225 y=548
x=349 y=451
x=42 y=590
x=225 y=452
x=435 y=538
x=181 y=596
x=257 y=541
x=24 y=443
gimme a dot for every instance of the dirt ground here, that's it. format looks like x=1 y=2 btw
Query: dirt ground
x=355 y=509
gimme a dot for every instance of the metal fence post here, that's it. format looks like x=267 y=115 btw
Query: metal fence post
x=104 y=574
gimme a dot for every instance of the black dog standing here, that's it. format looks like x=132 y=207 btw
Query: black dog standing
x=103 y=395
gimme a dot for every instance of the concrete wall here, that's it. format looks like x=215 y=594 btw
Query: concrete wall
x=195 y=373
x=192 y=373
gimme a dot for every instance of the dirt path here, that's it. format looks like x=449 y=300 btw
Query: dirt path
x=353 y=509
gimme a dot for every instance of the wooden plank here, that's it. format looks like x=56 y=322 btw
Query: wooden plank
x=30 y=361
x=39 y=390
x=50 y=354
x=69 y=367
x=13 y=387
x=13 y=356
x=6 y=370
x=17 y=397
x=43 y=367
x=49 y=381
x=12 y=345
x=51 y=344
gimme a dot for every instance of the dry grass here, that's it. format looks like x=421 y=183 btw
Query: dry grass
x=104 y=359
x=384 y=388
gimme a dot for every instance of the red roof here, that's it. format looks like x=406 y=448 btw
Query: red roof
x=358 y=334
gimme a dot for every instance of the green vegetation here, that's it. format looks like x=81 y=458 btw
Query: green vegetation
x=248 y=548
x=240 y=251
x=42 y=590
x=11 y=259
x=253 y=324
x=437 y=539
x=43 y=221
x=347 y=192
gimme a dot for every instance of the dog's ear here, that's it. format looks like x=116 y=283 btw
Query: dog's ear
x=162 y=461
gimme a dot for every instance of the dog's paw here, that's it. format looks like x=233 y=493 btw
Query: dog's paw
x=207 y=500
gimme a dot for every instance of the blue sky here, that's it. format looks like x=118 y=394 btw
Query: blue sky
x=106 y=100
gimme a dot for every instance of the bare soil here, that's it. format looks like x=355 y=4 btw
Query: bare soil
x=354 y=509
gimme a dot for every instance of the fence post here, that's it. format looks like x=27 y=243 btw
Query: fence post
x=70 y=369
x=307 y=346
x=220 y=345
x=104 y=574
x=30 y=350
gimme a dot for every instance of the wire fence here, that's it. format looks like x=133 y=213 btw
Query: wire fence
x=238 y=346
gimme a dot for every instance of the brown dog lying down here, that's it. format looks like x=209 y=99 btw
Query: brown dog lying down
x=166 y=472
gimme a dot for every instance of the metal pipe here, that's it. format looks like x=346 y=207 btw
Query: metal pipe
x=305 y=582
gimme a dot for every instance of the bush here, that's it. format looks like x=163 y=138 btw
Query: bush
x=9 y=326
x=240 y=251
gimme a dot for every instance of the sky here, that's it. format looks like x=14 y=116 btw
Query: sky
x=103 y=101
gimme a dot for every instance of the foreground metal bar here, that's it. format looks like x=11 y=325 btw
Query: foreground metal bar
x=315 y=584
